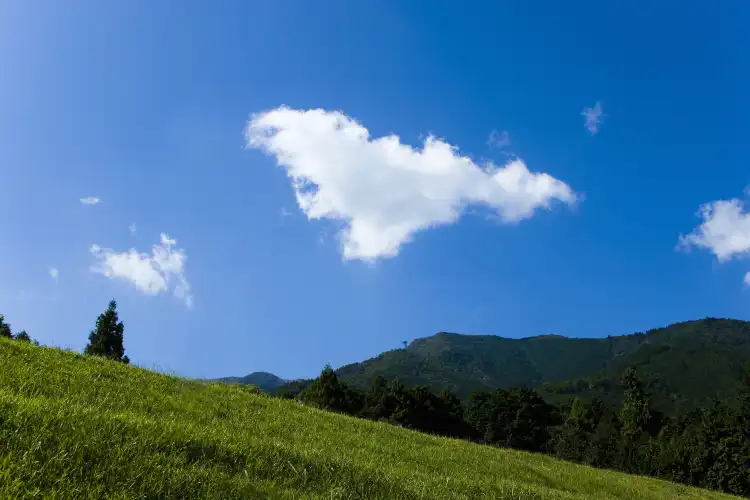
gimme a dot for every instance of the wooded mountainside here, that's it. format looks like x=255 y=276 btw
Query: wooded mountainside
x=682 y=365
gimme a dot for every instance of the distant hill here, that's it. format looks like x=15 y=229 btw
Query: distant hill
x=265 y=381
x=682 y=364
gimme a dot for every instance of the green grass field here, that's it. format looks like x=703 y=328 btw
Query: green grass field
x=79 y=427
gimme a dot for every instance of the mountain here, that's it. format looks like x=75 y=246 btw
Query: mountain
x=265 y=381
x=682 y=364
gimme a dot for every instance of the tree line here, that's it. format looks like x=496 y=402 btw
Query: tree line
x=7 y=333
x=708 y=447
x=105 y=340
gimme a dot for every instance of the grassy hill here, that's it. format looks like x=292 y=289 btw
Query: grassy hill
x=682 y=364
x=79 y=427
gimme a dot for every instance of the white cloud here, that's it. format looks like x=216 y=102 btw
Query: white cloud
x=593 y=117
x=91 y=200
x=152 y=274
x=725 y=231
x=132 y=228
x=385 y=191
x=285 y=213
x=498 y=140
x=54 y=273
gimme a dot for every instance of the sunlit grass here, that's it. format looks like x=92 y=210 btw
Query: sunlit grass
x=79 y=427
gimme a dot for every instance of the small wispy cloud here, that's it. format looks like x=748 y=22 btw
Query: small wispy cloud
x=285 y=213
x=151 y=274
x=593 y=117
x=91 y=200
x=498 y=140
x=54 y=273
x=132 y=228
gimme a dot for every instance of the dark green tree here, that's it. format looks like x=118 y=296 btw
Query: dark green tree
x=23 y=336
x=5 y=328
x=529 y=429
x=399 y=404
x=106 y=339
x=514 y=418
x=328 y=393
x=634 y=413
x=292 y=389
x=571 y=439
x=376 y=405
x=635 y=417
x=603 y=448
x=451 y=416
x=478 y=413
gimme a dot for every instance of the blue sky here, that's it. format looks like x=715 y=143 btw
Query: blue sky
x=188 y=122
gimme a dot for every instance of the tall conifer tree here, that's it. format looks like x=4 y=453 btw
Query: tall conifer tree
x=106 y=339
x=5 y=328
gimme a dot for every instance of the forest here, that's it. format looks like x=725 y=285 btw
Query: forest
x=707 y=447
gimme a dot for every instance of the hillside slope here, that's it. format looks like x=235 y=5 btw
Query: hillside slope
x=78 y=427
x=684 y=363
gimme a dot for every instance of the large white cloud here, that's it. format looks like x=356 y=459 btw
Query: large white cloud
x=152 y=274
x=725 y=230
x=385 y=191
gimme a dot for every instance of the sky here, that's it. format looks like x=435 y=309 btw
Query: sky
x=274 y=186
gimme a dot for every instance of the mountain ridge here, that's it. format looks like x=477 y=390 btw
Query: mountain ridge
x=684 y=363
